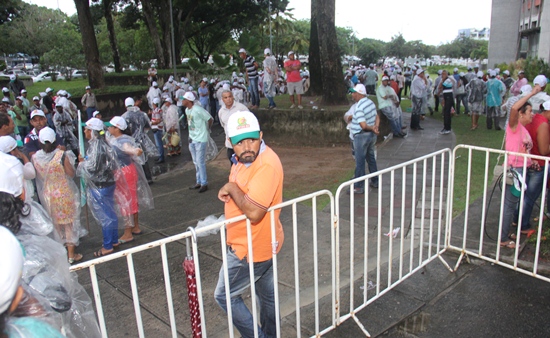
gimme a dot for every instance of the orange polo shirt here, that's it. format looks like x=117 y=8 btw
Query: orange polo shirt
x=262 y=183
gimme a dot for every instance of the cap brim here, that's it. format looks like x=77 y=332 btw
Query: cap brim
x=109 y=124
x=351 y=90
x=238 y=138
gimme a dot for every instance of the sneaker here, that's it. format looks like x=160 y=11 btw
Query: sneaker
x=445 y=132
x=293 y=106
x=203 y=188
x=300 y=107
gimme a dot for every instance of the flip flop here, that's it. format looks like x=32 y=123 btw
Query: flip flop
x=121 y=241
x=508 y=244
x=137 y=233
x=100 y=253
x=76 y=258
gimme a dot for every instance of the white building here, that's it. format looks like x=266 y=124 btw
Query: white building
x=481 y=34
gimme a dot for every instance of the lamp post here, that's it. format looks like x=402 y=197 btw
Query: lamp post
x=270 y=35
x=173 y=43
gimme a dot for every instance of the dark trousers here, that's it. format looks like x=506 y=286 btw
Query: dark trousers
x=449 y=102
x=147 y=172
x=436 y=99
x=407 y=87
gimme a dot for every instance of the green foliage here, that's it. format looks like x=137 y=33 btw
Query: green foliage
x=2 y=65
x=370 y=50
x=464 y=47
x=533 y=67
x=395 y=47
x=62 y=58
x=9 y=10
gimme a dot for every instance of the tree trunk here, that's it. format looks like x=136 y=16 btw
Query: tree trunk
x=89 y=43
x=316 y=82
x=329 y=65
x=152 y=26
x=107 y=11
x=164 y=21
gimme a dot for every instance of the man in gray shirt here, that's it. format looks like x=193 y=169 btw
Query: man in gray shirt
x=88 y=103
x=371 y=78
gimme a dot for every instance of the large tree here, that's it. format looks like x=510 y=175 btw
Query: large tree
x=108 y=13
x=89 y=42
x=324 y=54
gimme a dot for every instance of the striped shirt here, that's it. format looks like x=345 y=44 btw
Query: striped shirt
x=251 y=69
x=365 y=111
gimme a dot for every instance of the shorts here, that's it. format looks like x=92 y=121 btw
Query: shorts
x=295 y=88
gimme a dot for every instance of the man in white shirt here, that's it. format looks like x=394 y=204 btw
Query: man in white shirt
x=229 y=107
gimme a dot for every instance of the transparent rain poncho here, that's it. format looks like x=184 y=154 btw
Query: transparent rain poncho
x=136 y=190
x=137 y=123
x=58 y=193
x=100 y=171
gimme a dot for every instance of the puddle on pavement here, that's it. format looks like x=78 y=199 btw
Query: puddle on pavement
x=415 y=324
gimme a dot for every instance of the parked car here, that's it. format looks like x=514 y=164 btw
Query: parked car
x=47 y=76
x=17 y=72
x=79 y=74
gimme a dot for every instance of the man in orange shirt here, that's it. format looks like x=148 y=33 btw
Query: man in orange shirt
x=255 y=185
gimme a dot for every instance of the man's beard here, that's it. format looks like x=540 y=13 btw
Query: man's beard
x=247 y=157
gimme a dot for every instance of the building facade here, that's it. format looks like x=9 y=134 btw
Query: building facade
x=519 y=29
x=481 y=34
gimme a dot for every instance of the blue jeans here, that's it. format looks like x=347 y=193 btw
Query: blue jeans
x=198 y=153
x=255 y=95
x=102 y=205
x=239 y=279
x=50 y=121
x=364 y=143
x=158 y=141
x=534 y=180
x=89 y=114
x=391 y=113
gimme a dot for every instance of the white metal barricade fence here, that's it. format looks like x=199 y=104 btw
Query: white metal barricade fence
x=301 y=290
x=390 y=214
x=392 y=232
x=477 y=231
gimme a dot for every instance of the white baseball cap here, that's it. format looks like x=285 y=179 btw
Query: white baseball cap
x=88 y=87
x=12 y=77
x=385 y=78
x=267 y=51
x=455 y=70
x=168 y=99
x=48 y=90
x=492 y=73
x=226 y=86
x=291 y=52
x=11 y=179
x=46 y=134
x=188 y=96
x=155 y=84
x=205 y=79
x=5 y=90
x=129 y=102
x=507 y=72
x=11 y=267
x=94 y=124
x=360 y=88
x=540 y=80
x=526 y=89
x=242 y=50
x=97 y=112
x=119 y=122
x=545 y=105
x=242 y=125
x=419 y=71
x=7 y=144
x=37 y=112
x=36 y=98
x=190 y=88
x=479 y=74
x=23 y=91
x=156 y=100
x=6 y=100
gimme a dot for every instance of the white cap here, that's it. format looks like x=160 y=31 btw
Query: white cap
x=61 y=102
x=11 y=179
x=88 y=87
x=94 y=114
x=476 y=66
x=439 y=72
x=119 y=122
x=171 y=79
x=5 y=90
x=205 y=79
x=156 y=101
x=23 y=91
x=48 y=90
x=455 y=70
x=46 y=134
x=242 y=125
x=540 y=80
x=226 y=86
x=419 y=71
x=291 y=52
x=360 y=88
x=20 y=98
x=188 y=96
x=385 y=78
x=492 y=73
x=11 y=267
x=36 y=98
x=190 y=88
x=479 y=74
x=7 y=144
x=12 y=77
x=461 y=74
x=168 y=99
x=526 y=89
x=392 y=77
x=267 y=51
x=165 y=87
x=212 y=80
x=546 y=105
x=37 y=112
x=507 y=72
x=242 y=50
x=94 y=124
x=155 y=84
x=42 y=94
x=521 y=72
x=6 y=100
x=129 y=102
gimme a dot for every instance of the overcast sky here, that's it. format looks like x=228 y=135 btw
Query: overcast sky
x=432 y=21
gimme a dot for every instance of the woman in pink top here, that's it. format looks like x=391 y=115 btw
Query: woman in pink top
x=518 y=140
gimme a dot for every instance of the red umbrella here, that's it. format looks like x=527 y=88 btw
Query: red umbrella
x=194 y=310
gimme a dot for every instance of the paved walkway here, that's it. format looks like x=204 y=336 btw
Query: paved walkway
x=451 y=301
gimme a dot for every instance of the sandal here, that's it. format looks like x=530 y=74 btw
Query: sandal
x=76 y=258
x=100 y=253
x=508 y=244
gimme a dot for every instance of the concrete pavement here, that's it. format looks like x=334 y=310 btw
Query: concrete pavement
x=434 y=301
